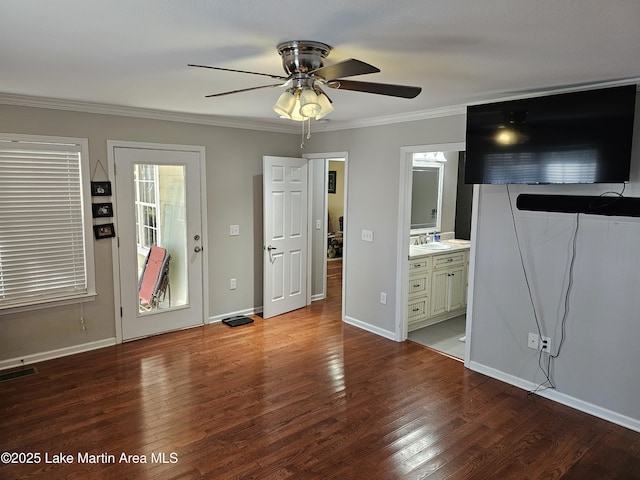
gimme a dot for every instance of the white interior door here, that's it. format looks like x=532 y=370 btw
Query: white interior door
x=285 y=235
x=158 y=203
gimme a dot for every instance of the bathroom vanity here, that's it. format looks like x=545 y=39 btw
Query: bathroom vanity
x=437 y=282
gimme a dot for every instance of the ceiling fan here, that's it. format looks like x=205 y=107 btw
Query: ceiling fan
x=304 y=97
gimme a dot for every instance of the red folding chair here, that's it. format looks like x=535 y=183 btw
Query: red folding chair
x=154 y=279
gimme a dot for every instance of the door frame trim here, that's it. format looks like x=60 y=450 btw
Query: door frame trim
x=200 y=150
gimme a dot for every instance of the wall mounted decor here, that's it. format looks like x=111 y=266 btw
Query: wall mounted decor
x=101 y=210
x=100 y=189
x=332 y=181
x=106 y=230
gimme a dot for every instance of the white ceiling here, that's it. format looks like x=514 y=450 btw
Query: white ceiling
x=134 y=53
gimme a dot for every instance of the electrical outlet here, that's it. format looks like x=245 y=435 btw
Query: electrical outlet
x=545 y=344
x=234 y=230
x=232 y=284
x=383 y=298
x=533 y=341
x=318 y=224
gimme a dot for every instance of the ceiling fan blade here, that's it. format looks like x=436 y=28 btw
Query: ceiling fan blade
x=347 y=68
x=403 y=91
x=277 y=77
x=243 y=90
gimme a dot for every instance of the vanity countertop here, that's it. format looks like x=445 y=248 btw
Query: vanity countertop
x=446 y=246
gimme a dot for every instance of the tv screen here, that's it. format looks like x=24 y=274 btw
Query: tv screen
x=580 y=137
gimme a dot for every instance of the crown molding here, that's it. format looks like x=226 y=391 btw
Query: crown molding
x=151 y=114
x=220 y=121
x=391 y=119
x=283 y=126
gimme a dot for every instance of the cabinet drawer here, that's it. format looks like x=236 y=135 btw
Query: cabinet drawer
x=419 y=284
x=447 y=260
x=422 y=264
x=418 y=309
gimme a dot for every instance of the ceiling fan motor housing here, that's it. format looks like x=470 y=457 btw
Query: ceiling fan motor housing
x=302 y=56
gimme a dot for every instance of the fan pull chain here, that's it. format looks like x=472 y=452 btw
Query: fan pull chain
x=308 y=132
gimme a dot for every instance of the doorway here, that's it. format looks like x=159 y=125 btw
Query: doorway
x=335 y=216
x=449 y=335
x=159 y=259
x=328 y=274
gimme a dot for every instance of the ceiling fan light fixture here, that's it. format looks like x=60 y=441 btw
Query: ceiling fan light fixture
x=309 y=103
x=304 y=64
x=285 y=104
x=296 y=115
x=326 y=107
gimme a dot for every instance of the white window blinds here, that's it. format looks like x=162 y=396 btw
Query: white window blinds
x=42 y=223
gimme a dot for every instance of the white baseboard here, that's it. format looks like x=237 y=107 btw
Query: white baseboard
x=370 y=328
x=319 y=296
x=247 y=311
x=564 y=399
x=61 y=352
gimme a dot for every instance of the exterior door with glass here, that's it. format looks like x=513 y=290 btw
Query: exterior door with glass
x=159 y=228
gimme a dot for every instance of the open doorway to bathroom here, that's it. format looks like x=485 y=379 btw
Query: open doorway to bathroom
x=439 y=203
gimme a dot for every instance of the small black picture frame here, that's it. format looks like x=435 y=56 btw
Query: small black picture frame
x=106 y=230
x=332 y=181
x=100 y=189
x=101 y=210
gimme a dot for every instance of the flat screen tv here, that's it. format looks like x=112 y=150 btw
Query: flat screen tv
x=579 y=137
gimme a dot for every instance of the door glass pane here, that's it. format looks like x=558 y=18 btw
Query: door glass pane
x=160 y=209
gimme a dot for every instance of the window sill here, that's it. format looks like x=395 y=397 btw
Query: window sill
x=9 y=310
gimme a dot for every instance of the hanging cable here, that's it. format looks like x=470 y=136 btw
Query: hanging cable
x=615 y=196
x=563 y=323
x=530 y=292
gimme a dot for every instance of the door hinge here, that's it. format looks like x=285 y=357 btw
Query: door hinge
x=118 y=241
x=120 y=311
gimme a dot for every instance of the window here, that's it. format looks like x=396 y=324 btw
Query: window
x=46 y=248
x=147 y=207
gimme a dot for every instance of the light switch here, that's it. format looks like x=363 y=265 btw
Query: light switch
x=318 y=224
x=367 y=235
x=234 y=230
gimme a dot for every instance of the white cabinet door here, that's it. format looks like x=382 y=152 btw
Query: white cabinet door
x=456 y=291
x=439 y=292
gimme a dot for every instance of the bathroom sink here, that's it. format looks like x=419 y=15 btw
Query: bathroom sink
x=429 y=247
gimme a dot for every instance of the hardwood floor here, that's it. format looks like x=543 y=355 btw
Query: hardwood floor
x=301 y=396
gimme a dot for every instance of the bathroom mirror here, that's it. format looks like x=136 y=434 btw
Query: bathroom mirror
x=426 y=192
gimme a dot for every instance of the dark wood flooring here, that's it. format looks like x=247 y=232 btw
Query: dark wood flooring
x=301 y=396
